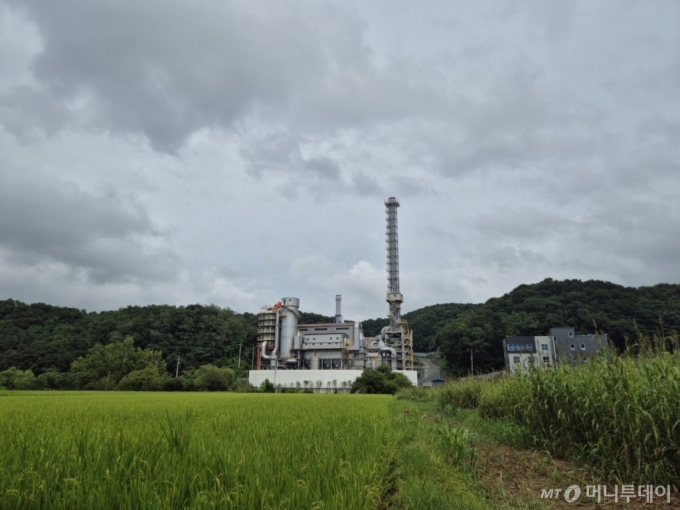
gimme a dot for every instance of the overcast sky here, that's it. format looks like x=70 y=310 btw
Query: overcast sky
x=236 y=152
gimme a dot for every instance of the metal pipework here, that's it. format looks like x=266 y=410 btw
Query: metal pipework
x=393 y=356
x=383 y=335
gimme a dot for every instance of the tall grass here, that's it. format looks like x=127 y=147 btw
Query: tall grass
x=461 y=395
x=504 y=397
x=620 y=415
x=255 y=451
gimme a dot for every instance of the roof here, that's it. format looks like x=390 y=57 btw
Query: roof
x=331 y=324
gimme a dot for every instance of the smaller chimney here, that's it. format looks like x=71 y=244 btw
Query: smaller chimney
x=338 y=308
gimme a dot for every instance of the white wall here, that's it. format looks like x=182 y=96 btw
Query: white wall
x=524 y=364
x=334 y=378
x=541 y=353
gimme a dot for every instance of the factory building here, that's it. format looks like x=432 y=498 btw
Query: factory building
x=562 y=346
x=333 y=355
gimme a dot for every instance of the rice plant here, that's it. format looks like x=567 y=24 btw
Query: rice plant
x=151 y=450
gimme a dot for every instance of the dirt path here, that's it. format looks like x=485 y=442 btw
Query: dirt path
x=519 y=476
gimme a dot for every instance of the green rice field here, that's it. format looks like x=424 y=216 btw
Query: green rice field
x=94 y=450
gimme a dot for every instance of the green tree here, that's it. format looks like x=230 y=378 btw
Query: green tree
x=146 y=379
x=173 y=384
x=105 y=365
x=267 y=386
x=14 y=379
x=48 y=380
x=212 y=378
x=380 y=380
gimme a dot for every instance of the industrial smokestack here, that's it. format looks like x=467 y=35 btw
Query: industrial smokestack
x=394 y=297
x=338 y=308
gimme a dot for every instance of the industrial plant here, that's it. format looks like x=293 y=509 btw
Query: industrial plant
x=331 y=356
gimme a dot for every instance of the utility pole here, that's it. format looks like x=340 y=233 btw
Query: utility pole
x=239 y=355
x=472 y=367
x=177 y=368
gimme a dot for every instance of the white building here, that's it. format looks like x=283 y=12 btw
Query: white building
x=562 y=346
x=525 y=352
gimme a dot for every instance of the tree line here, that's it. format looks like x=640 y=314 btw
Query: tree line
x=625 y=314
x=121 y=366
x=41 y=338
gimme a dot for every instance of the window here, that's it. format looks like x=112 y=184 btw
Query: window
x=573 y=347
x=571 y=334
x=515 y=359
x=320 y=329
x=544 y=347
x=511 y=347
x=531 y=359
x=546 y=359
x=584 y=359
x=583 y=347
x=529 y=347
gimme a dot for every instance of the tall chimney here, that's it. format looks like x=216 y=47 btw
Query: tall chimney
x=394 y=297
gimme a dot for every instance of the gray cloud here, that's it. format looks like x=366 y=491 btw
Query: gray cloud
x=520 y=223
x=29 y=113
x=366 y=185
x=103 y=236
x=236 y=151
x=166 y=69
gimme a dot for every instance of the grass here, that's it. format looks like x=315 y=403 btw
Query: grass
x=450 y=458
x=435 y=465
x=622 y=417
x=619 y=416
x=246 y=451
x=155 y=450
x=502 y=430
x=435 y=448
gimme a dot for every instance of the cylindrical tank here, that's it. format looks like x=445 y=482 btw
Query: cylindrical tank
x=289 y=323
x=314 y=362
x=291 y=302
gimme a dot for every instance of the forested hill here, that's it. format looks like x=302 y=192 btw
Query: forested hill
x=621 y=312
x=39 y=337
